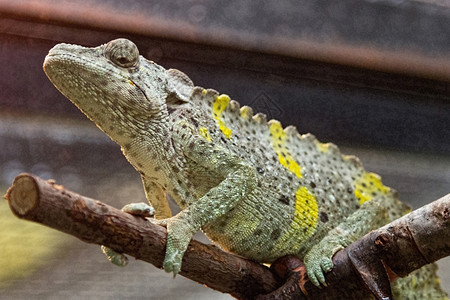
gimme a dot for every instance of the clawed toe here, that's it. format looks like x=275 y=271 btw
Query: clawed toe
x=172 y=263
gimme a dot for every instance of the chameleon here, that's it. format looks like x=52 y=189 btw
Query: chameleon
x=255 y=188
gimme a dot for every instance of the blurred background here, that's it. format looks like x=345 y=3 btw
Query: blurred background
x=372 y=76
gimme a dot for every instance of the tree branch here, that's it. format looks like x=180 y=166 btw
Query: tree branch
x=92 y=221
x=406 y=244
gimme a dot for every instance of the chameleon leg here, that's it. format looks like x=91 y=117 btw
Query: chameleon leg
x=137 y=209
x=372 y=214
x=238 y=181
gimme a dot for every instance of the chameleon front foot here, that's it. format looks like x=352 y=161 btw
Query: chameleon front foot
x=316 y=267
x=172 y=262
x=137 y=209
x=116 y=258
x=179 y=234
x=318 y=260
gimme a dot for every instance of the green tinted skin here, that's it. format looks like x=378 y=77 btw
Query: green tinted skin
x=255 y=188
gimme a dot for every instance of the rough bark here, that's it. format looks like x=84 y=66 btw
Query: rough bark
x=404 y=245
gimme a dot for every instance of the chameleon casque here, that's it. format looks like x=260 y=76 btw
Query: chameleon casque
x=255 y=189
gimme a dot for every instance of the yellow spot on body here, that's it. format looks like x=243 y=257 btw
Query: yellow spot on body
x=204 y=133
x=278 y=137
x=304 y=223
x=322 y=147
x=369 y=185
x=204 y=92
x=306 y=212
x=219 y=105
x=306 y=206
x=131 y=82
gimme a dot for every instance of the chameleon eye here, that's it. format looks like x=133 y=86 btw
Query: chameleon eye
x=122 y=53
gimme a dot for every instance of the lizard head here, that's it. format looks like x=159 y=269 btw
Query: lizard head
x=114 y=86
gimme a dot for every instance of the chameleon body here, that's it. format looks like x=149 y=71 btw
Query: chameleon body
x=255 y=188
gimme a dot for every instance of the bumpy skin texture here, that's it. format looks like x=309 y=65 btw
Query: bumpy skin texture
x=254 y=188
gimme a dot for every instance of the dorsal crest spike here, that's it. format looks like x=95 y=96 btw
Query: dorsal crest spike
x=308 y=137
x=211 y=93
x=246 y=112
x=353 y=160
x=260 y=118
x=204 y=95
x=273 y=121
x=291 y=130
x=234 y=106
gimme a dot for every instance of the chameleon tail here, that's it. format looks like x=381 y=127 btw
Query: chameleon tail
x=420 y=284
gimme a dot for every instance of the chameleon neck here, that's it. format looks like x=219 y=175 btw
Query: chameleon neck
x=147 y=144
x=126 y=130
